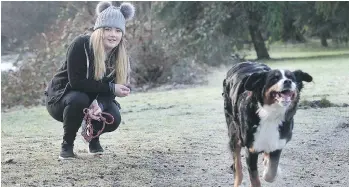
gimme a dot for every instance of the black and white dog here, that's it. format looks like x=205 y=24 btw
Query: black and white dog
x=259 y=106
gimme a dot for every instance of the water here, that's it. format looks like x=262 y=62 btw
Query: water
x=8 y=60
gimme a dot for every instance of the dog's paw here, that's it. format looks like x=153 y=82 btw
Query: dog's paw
x=269 y=174
x=267 y=177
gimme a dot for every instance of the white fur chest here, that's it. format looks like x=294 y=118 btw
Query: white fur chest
x=267 y=136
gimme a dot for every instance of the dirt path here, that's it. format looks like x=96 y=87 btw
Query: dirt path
x=170 y=138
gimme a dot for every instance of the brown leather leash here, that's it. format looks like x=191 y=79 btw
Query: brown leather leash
x=87 y=128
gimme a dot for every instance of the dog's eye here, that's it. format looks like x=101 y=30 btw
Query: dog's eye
x=276 y=78
x=291 y=77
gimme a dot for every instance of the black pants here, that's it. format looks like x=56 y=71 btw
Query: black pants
x=69 y=110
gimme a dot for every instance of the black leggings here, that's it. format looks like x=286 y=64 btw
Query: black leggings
x=69 y=110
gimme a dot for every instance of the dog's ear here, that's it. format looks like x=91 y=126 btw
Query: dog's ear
x=302 y=76
x=255 y=80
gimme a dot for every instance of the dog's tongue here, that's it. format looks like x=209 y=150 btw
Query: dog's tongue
x=286 y=95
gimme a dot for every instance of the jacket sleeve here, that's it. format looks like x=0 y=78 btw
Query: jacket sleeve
x=77 y=70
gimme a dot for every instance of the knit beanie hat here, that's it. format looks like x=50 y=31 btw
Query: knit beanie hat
x=112 y=16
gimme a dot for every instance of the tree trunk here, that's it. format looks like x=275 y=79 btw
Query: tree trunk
x=300 y=37
x=324 y=40
x=256 y=35
x=291 y=33
x=258 y=43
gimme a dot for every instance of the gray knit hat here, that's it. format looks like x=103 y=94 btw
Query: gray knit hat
x=112 y=16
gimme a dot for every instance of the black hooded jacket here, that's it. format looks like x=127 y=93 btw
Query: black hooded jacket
x=77 y=73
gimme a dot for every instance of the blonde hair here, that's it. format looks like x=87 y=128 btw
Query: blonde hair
x=121 y=63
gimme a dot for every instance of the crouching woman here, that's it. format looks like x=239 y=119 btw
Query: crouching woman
x=96 y=70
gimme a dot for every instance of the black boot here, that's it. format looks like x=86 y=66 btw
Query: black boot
x=67 y=151
x=95 y=147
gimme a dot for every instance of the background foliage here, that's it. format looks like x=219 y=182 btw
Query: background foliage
x=169 y=42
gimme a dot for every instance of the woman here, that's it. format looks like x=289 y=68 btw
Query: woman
x=95 y=71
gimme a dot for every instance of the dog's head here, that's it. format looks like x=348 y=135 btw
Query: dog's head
x=277 y=86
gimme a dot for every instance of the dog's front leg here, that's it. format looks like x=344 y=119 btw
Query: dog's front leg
x=235 y=146
x=271 y=163
x=251 y=161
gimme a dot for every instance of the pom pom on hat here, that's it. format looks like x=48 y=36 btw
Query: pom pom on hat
x=112 y=16
x=128 y=10
x=102 y=6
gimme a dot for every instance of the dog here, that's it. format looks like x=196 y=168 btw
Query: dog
x=259 y=106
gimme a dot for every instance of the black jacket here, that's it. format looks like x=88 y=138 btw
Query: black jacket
x=77 y=72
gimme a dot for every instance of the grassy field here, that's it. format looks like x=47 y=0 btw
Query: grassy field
x=311 y=49
x=179 y=137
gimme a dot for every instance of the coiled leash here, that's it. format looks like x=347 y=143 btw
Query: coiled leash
x=87 y=127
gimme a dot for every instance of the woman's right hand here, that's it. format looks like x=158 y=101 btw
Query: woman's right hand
x=121 y=90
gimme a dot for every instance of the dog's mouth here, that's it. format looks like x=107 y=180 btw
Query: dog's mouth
x=285 y=96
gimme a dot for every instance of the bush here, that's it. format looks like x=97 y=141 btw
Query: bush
x=188 y=71
x=22 y=87
x=150 y=64
x=322 y=103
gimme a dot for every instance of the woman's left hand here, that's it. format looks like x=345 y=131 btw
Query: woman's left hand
x=95 y=110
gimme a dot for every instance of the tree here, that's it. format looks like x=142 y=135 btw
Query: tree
x=22 y=20
x=323 y=19
x=336 y=14
x=213 y=30
x=254 y=11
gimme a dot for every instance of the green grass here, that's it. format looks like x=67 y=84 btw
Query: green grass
x=311 y=49
x=26 y=122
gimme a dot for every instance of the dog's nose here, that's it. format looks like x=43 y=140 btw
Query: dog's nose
x=287 y=83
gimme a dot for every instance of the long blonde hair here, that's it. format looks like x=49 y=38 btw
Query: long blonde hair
x=121 y=63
